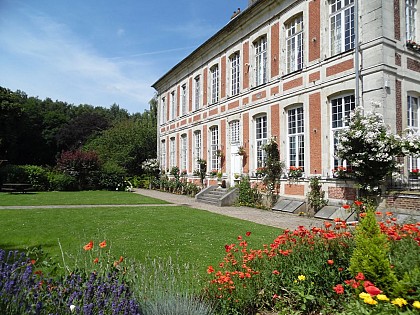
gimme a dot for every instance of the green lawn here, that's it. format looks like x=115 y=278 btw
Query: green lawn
x=76 y=198
x=192 y=235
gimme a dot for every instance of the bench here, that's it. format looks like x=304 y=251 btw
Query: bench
x=17 y=187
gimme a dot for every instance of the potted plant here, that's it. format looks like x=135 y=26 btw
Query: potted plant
x=241 y=151
x=295 y=171
x=414 y=173
x=260 y=171
x=341 y=172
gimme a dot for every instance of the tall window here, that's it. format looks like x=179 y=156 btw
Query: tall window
x=163 y=111
x=261 y=61
x=234 y=132
x=234 y=73
x=410 y=17
x=295 y=132
x=214 y=87
x=261 y=139
x=342 y=25
x=197 y=149
x=173 y=108
x=341 y=108
x=197 y=92
x=295 y=44
x=214 y=148
x=163 y=155
x=172 y=153
x=183 y=99
x=413 y=125
x=183 y=165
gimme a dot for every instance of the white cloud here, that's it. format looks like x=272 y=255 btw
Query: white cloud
x=40 y=48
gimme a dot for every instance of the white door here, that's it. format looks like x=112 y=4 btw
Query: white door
x=235 y=164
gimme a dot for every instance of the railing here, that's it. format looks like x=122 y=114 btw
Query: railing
x=402 y=182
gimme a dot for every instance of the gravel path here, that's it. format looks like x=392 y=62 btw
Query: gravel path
x=265 y=217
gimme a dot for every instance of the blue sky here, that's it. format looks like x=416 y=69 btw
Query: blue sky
x=101 y=52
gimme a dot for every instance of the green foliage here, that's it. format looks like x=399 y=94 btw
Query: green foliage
x=13 y=174
x=61 y=182
x=316 y=196
x=248 y=196
x=370 y=255
x=111 y=176
x=273 y=169
x=37 y=177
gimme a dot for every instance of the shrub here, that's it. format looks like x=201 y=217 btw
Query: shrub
x=37 y=177
x=316 y=196
x=61 y=182
x=13 y=174
x=111 y=176
x=248 y=196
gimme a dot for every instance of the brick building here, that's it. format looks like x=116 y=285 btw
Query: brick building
x=290 y=70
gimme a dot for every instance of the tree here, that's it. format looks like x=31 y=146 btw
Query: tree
x=273 y=169
x=369 y=147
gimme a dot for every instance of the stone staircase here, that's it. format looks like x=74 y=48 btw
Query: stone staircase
x=217 y=196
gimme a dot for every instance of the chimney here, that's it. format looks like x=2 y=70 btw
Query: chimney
x=251 y=2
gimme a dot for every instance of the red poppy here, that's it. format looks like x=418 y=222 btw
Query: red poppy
x=358 y=203
x=378 y=213
x=330 y=262
x=96 y=260
x=367 y=283
x=248 y=233
x=339 y=289
x=372 y=290
x=340 y=269
x=121 y=259
x=362 y=215
x=33 y=261
x=210 y=269
x=276 y=272
x=360 y=276
x=346 y=207
x=388 y=213
x=327 y=224
x=102 y=244
x=88 y=246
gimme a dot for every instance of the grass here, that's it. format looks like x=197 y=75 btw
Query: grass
x=193 y=236
x=76 y=198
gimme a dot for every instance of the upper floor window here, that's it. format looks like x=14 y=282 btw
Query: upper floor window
x=342 y=25
x=214 y=148
x=234 y=73
x=296 y=137
x=173 y=107
x=163 y=110
x=234 y=132
x=183 y=99
x=261 y=60
x=197 y=92
x=410 y=19
x=413 y=113
x=294 y=43
x=260 y=140
x=184 y=148
x=214 y=84
x=341 y=108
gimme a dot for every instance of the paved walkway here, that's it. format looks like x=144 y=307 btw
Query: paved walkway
x=265 y=217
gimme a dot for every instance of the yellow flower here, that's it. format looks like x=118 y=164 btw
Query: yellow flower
x=364 y=295
x=399 y=301
x=382 y=297
x=370 y=300
x=301 y=278
x=416 y=304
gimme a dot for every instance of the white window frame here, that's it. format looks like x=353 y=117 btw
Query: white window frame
x=341 y=107
x=235 y=72
x=163 y=155
x=294 y=44
x=197 y=92
x=197 y=148
x=173 y=105
x=261 y=137
x=172 y=161
x=183 y=99
x=163 y=110
x=214 y=84
x=410 y=19
x=342 y=32
x=234 y=131
x=413 y=118
x=296 y=137
x=214 y=147
x=184 y=152
x=261 y=60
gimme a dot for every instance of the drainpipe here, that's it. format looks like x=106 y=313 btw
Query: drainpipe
x=356 y=51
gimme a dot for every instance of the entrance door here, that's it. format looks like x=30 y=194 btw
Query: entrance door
x=235 y=164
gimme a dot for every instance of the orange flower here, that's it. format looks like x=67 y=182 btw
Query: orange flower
x=248 y=233
x=346 y=207
x=372 y=290
x=363 y=214
x=210 y=269
x=388 y=213
x=33 y=261
x=327 y=224
x=339 y=289
x=276 y=272
x=360 y=276
x=358 y=203
x=96 y=260
x=378 y=213
x=330 y=262
x=121 y=259
x=102 y=244
x=88 y=246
